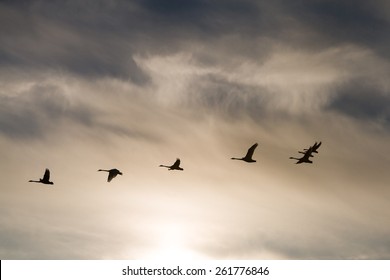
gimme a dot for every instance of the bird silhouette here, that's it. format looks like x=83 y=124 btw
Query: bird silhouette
x=175 y=166
x=249 y=154
x=313 y=149
x=112 y=173
x=305 y=158
x=45 y=179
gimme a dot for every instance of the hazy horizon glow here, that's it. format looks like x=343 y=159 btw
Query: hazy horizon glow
x=135 y=84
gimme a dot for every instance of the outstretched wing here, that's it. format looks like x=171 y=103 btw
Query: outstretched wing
x=111 y=175
x=46 y=176
x=251 y=150
x=176 y=164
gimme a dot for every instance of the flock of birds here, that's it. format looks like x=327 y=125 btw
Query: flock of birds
x=307 y=153
x=112 y=173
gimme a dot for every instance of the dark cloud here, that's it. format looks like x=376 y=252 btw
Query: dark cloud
x=101 y=38
x=206 y=18
x=45 y=109
x=35 y=113
x=59 y=36
x=344 y=22
x=362 y=100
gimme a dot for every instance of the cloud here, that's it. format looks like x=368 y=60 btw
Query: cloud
x=37 y=110
x=315 y=224
x=135 y=84
x=38 y=36
x=38 y=107
x=289 y=83
x=362 y=100
x=38 y=235
x=345 y=22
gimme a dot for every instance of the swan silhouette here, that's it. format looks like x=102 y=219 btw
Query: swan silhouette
x=112 y=173
x=306 y=157
x=45 y=179
x=249 y=154
x=175 y=166
x=315 y=147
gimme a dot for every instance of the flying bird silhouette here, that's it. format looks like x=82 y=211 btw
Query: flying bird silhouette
x=313 y=149
x=175 y=166
x=305 y=158
x=112 y=173
x=45 y=179
x=249 y=154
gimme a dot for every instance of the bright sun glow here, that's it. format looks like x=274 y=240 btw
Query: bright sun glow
x=172 y=245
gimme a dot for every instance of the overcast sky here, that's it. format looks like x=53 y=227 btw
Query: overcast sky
x=131 y=85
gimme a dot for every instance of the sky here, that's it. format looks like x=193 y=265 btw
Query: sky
x=88 y=85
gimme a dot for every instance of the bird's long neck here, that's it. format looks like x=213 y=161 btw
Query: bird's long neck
x=237 y=158
x=104 y=170
x=164 y=166
x=34 y=181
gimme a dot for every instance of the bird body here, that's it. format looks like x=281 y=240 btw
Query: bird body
x=45 y=179
x=175 y=166
x=305 y=158
x=112 y=173
x=249 y=154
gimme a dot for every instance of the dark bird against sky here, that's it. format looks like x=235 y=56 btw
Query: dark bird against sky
x=249 y=154
x=313 y=148
x=306 y=154
x=175 y=166
x=112 y=173
x=45 y=179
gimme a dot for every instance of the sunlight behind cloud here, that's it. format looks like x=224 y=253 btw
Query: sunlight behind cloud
x=172 y=243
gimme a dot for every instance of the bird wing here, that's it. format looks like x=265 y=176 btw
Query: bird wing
x=111 y=175
x=176 y=164
x=46 y=176
x=251 y=150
